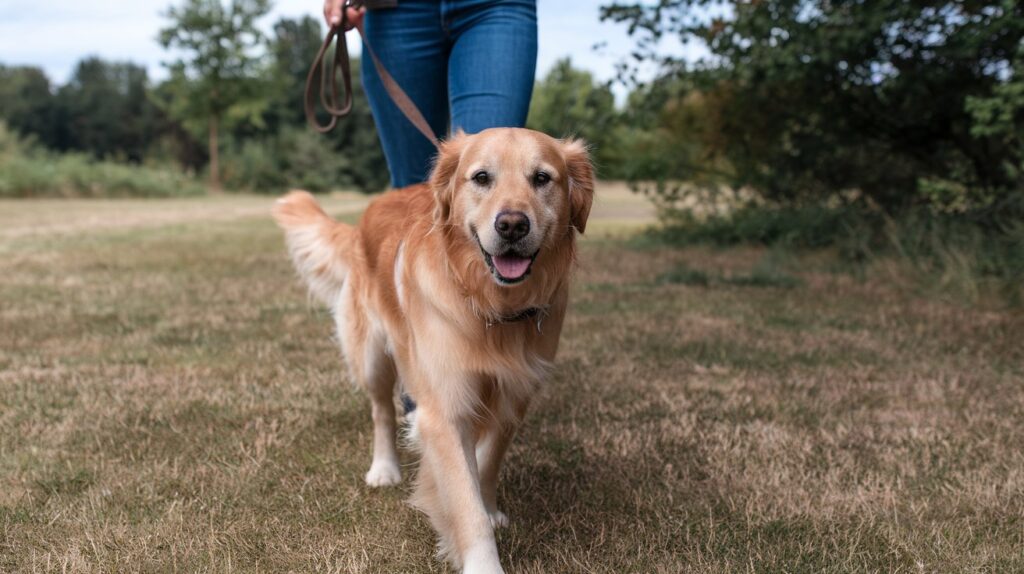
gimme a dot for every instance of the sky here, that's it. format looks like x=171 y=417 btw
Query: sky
x=56 y=35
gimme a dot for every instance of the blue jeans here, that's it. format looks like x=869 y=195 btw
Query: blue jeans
x=474 y=59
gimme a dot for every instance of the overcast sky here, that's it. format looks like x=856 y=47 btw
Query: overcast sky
x=56 y=35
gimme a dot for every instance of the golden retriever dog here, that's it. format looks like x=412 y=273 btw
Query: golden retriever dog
x=453 y=291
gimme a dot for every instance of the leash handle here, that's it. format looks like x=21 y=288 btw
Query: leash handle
x=329 y=99
x=329 y=82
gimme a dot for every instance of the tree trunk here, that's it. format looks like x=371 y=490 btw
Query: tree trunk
x=214 y=154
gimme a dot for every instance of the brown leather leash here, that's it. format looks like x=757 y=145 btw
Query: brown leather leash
x=329 y=81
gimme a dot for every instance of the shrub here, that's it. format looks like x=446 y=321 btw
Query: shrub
x=294 y=157
x=956 y=250
x=26 y=170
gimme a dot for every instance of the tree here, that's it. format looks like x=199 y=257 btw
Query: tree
x=287 y=152
x=810 y=98
x=292 y=49
x=664 y=139
x=1000 y=118
x=27 y=103
x=569 y=102
x=105 y=110
x=351 y=154
x=215 y=81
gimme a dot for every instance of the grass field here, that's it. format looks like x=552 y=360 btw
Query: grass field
x=171 y=401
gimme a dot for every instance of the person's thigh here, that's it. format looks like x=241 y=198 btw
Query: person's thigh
x=493 y=62
x=411 y=44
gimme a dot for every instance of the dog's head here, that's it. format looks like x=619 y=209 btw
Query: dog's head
x=514 y=193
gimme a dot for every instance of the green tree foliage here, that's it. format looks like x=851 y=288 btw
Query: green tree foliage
x=569 y=102
x=355 y=155
x=805 y=99
x=216 y=81
x=286 y=152
x=27 y=104
x=104 y=109
x=999 y=118
x=110 y=111
x=664 y=139
x=292 y=48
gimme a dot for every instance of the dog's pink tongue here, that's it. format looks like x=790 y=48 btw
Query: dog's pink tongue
x=510 y=266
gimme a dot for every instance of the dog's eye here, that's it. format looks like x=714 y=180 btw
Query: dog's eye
x=541 y=179
x=482 y=178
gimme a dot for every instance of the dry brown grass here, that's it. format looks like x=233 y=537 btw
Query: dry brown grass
x=170 y=401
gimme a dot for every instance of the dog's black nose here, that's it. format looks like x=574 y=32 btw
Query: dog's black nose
x=512 y=225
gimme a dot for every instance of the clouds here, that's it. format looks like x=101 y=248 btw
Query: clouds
x=55 y=36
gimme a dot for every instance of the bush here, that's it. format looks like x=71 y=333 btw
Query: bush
x=28 y=171
x=253 y=166
x=295 y=157
x=798 y=226
x=959 y=250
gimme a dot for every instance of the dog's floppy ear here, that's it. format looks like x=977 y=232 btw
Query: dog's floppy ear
x=581 y=182
x=448 y=155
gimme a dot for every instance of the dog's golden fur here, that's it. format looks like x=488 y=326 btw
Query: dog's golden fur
x=416 y=302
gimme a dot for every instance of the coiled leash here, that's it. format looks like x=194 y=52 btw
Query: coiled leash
x=329 y=81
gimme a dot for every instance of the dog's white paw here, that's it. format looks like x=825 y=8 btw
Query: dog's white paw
x=482 y=560
x=383 y=473
x=498 y=519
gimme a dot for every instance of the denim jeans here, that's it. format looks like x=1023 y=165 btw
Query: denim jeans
x=472 y=59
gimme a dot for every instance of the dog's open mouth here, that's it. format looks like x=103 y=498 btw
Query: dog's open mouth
x=510 y=267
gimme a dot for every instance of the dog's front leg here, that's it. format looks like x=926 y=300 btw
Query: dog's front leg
x=490 y=451
x=449 y=492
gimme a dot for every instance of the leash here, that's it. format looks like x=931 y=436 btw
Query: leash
x=329 y=81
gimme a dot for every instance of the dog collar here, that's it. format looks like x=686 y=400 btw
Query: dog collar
x=538 y=313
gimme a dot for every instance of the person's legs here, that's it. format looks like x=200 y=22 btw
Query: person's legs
x=413 y=46
x=493 y=62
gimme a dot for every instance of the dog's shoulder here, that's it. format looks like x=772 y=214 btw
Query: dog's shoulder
x=390 y=217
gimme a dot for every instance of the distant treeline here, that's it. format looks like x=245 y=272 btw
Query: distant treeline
x=113 y=111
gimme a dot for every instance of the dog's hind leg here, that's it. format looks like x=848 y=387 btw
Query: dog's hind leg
x=379 y=379
x=364 y=345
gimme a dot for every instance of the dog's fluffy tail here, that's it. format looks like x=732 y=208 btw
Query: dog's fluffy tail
x=322 y=249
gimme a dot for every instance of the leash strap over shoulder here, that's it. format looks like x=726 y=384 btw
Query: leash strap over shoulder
x=329 y=82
